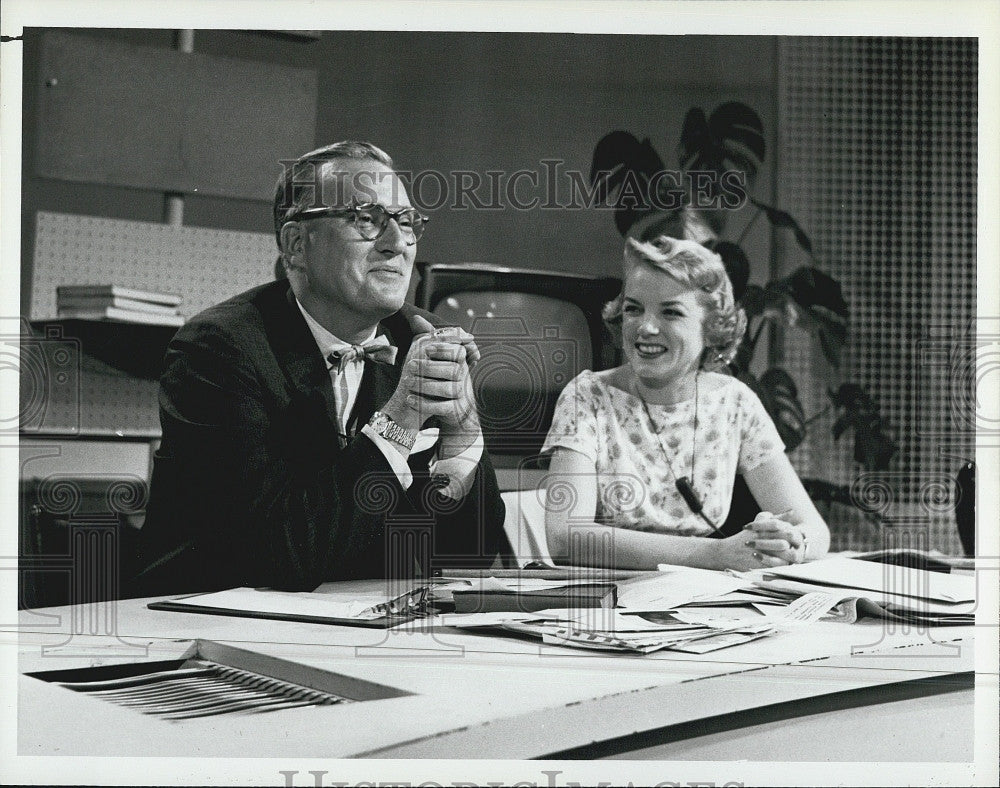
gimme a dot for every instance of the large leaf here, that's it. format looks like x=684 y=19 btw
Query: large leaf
x=821 y=491
x=753 y=301
x=855 y=409
x=814 y=300
x=731 y=138
x=780 y=397
x=621 y=162
x=784 y=220
x=737 y=265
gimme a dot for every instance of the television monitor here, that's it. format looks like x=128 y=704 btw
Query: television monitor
x=536 y=331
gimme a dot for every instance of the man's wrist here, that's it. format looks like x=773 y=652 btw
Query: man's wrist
x=383 y=425
x=467 y=426
x=456 y=440
x=404 y=417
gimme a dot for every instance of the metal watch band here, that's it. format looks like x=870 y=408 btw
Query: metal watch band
x=387 y=428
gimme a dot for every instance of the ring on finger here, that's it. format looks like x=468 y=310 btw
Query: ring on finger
x=758 y=555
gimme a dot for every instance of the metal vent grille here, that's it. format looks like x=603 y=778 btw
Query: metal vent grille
x=200 y=688
x=208 y=679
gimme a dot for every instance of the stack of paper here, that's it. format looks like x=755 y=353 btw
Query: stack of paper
x=119 y=304
x=648 y=617
x=858 y=588
x=697 y=611
x=617 y=631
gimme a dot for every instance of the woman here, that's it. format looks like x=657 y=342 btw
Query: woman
x=644 y=456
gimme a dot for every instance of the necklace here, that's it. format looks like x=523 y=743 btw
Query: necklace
x=683 y=484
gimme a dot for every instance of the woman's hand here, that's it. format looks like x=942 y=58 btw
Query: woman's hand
x=776 y=537
x=737 y=552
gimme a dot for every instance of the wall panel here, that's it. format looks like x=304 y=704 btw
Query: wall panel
x=878 y=144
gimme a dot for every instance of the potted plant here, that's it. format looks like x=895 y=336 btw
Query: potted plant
x=712 y=148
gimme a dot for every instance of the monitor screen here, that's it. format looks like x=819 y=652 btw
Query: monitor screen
x=532 y=346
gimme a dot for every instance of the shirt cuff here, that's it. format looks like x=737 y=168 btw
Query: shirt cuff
x=460 y=469
x=394 y=458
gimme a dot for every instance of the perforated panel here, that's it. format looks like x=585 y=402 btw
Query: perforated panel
x=878 y=163
x=203 y=265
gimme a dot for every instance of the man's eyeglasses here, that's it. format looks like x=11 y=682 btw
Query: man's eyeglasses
x=371 y=219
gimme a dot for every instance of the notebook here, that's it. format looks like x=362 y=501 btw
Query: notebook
x=577 y=595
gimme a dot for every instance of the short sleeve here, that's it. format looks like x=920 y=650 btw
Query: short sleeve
x=759 y=439
x=574 y=424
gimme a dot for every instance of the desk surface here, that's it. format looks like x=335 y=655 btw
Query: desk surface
x=473 y=695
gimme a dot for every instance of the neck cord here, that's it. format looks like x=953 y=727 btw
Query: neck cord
x=683 y=484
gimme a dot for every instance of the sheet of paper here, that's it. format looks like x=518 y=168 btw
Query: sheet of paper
x=521 y=584
x=903 y=603
x=807 y=608
x=718 y=616
x=884 y=578
x=615 y=621
x=674 y=586
x=735 y=598
x=471 y=620
x=596 y=642
x=716 y=642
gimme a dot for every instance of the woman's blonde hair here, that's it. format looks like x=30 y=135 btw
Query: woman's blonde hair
x=699 y=268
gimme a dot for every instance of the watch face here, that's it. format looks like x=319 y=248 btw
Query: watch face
x=379 y=422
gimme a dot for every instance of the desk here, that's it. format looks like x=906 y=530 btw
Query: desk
x=484 y=696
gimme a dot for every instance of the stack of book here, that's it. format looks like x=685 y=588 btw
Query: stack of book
x=119 y=304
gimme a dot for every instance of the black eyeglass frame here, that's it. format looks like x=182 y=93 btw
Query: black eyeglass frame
x=355 y=208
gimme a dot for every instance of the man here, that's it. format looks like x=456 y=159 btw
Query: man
x=295 y=449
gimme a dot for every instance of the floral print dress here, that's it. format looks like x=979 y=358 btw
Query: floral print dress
x=638 y=451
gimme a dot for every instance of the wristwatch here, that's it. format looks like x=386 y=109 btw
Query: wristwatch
x=382 y=425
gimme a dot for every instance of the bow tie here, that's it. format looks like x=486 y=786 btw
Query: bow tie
x=378 y=352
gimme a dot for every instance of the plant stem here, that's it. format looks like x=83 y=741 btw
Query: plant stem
x=749 y=227
x=819 y=415
x=756 y=335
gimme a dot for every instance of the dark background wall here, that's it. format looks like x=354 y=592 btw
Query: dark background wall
x=871 y=146
x=457 y=101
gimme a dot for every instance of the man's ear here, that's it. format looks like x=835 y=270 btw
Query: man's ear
x=292 y=242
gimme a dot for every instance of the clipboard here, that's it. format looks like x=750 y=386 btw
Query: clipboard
x=304 y=607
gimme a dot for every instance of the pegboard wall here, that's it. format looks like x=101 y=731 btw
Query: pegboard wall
x=203 y=265
x=877 y=146
x=67 y=393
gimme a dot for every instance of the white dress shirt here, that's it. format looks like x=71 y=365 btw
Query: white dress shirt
x=459 y=469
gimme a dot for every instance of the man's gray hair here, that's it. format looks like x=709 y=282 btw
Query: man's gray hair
x=296 y=188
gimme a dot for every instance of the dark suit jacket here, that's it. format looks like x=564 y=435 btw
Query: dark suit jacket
x=251 y=486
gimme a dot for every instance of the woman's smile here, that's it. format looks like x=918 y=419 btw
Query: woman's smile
x=649 y=350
